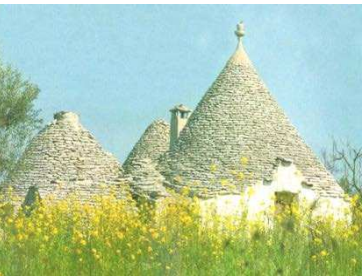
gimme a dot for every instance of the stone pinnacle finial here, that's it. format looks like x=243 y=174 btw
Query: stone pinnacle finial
x=70 y=118
x=240 y=31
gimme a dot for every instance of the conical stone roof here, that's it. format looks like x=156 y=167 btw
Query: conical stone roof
x=147 y=182
x=64 y=158
x=238 y=118
x=154 y=142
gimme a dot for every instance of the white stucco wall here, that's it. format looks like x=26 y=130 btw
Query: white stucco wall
x=258 y=201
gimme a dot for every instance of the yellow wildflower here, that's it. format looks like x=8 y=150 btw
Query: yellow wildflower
x=54 y=231
x=213 y=168
x=19 y=224
x=20 y=237
x=317 y=241
x=251 y=191
x=178 y=179
x=244 y=161
x=185 y=191
x=120 y=235
x=95 y=234
x=224 y=182
x=155 y=235
x=323 y=253
x=240 y=176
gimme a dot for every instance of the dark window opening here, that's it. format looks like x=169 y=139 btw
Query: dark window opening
x=284 y=201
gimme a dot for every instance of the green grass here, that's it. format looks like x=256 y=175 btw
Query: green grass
x=71 y=239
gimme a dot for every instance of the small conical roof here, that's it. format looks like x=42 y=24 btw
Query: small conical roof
x=154 y=142
x=238 y=118
x=147 y=182
x=65 y=158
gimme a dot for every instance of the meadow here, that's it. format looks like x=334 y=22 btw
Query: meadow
x=114 y=237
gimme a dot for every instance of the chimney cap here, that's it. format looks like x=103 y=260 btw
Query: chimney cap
x=180 y=108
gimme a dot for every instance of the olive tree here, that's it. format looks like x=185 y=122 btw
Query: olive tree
x=19 y=119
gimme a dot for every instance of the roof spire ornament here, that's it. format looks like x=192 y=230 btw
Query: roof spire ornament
x=240 y=31
x=240 y=55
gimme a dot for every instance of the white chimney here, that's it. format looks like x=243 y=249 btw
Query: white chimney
x=179 y=116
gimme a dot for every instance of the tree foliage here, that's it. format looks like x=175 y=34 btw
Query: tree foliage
x=18 y=117
x=344 y=160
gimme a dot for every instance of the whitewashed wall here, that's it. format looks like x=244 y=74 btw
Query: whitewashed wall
x=259 y=200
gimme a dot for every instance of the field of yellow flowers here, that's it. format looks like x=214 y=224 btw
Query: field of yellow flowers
x=114 y=238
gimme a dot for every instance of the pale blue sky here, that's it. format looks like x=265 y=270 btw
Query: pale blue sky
x=121 y=67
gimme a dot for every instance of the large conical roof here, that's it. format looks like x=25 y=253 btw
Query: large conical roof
x=238 y=118
x=65 y=158
x=154 y=142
